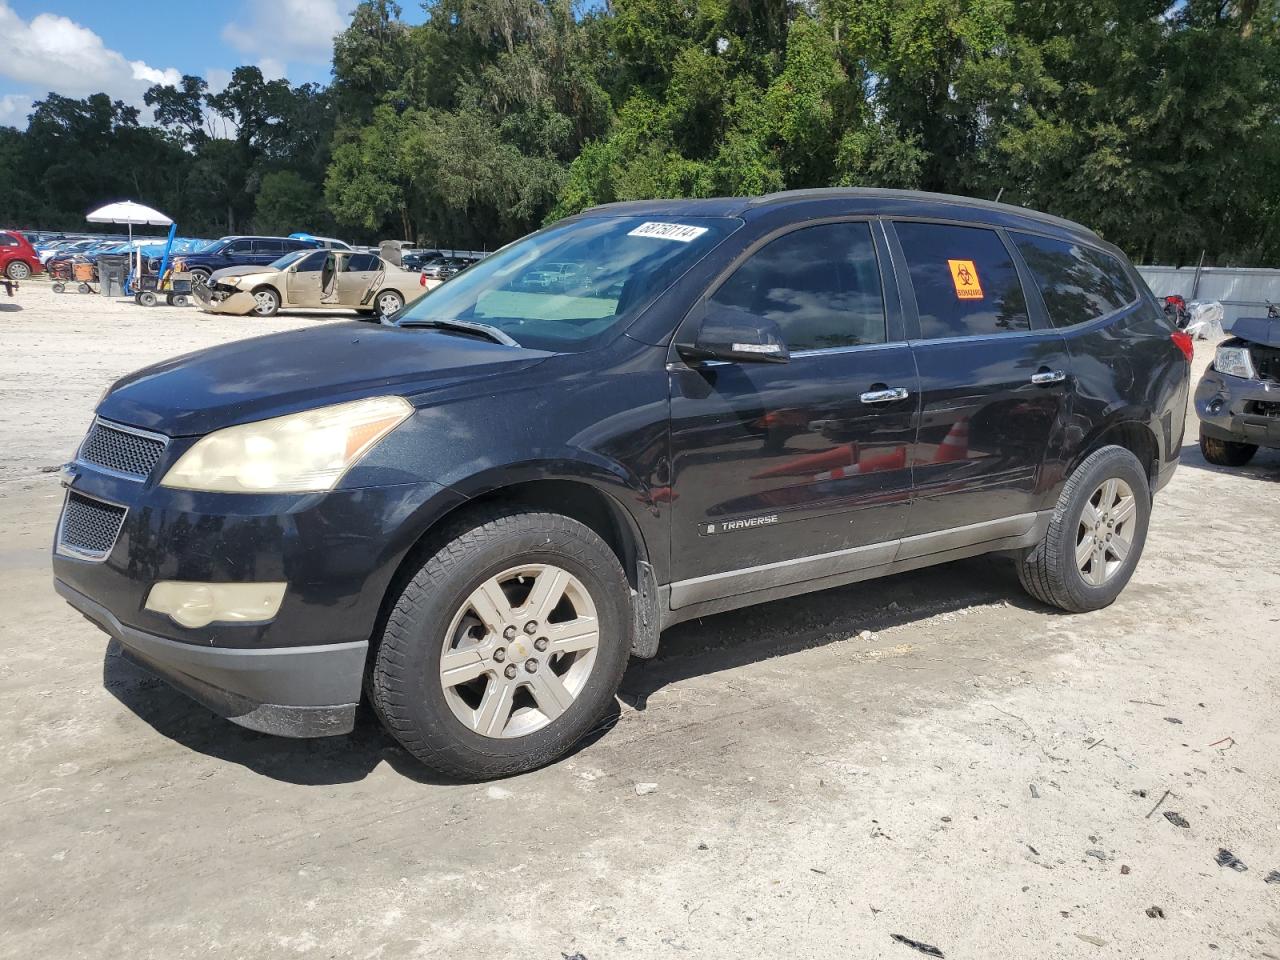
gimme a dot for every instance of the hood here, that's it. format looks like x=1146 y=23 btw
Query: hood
x=1259 y=330
x=244 y=271
x=283 y=373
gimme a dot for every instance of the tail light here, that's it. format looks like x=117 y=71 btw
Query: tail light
x=1182 y=340
x=422 y=280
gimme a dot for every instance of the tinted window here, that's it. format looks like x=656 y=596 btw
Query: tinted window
x=820 y=285
x=275 y=247
x=238 y=246
x=8 y=240
x=313 y=263
x=359 y=262
x=964 y=279
x=1079 y=283
x=297 y=245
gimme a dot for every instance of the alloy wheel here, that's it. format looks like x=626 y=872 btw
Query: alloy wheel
x=519 y=650
x=266 y=303
x=1104 y=536
x=18 y=270
x=389 y=303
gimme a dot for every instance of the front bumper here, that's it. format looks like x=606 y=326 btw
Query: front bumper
x=214 y=300
x=297 y=674
x=287 y=691
x=1239 y=410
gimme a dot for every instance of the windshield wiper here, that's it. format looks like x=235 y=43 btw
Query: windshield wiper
x=465 y=326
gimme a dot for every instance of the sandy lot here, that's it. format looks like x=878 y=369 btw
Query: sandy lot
x=982 y=774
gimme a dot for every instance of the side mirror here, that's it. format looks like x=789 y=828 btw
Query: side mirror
x=735 y=336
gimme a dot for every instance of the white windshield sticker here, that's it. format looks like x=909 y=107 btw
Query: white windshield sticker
x=668 y=231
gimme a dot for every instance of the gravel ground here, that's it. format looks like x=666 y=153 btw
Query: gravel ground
x=979 y=773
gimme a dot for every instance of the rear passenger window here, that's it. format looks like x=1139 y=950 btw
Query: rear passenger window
x=360 y=262
x=964 y=279
x=1079 y=283
x=820 y=285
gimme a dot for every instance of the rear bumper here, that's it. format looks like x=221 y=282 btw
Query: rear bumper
x=287 y=691
x=1232 y=408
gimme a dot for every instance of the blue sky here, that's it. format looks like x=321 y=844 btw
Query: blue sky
x=78 y=47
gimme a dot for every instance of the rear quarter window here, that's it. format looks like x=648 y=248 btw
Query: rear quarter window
x=1078 y=283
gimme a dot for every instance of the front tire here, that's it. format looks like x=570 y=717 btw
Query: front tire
x=266 y=302
x=1226 y=453
x=1096 y=536
x=506 y=647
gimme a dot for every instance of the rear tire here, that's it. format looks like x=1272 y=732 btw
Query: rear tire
x=1096 y=535
x=495 y=722
x=18 y=270
x=1226 y=453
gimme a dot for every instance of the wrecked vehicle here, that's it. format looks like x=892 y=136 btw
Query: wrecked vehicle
x=338 y=279
x=1238 y=399
x=473 y=515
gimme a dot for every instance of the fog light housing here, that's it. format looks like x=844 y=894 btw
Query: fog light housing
x=191 y=604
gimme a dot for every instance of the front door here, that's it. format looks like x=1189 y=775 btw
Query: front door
x=789 y=472
x=306 y=279
x=994 y=381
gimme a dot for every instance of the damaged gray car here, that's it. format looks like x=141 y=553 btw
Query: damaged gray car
x=1238 y=399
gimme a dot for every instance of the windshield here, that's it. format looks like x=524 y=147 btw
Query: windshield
x=564 y=286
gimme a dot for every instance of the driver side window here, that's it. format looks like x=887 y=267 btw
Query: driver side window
x=820 y=285
x=313 y=263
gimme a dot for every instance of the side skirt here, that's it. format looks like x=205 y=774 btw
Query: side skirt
x=701 y=596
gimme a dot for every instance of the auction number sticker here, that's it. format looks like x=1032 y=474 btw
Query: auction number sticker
x=964 y=274
x=668 y=231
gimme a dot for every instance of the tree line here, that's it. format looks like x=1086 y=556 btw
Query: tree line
x=1154 y=122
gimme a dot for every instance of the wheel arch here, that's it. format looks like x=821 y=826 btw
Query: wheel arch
x=580 y=499
x=1130 y=431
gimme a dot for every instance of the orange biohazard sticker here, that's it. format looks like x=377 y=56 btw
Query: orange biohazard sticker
x=964 y=274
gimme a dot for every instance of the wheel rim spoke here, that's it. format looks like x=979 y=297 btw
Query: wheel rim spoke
x=495 y=708
x=462 y=666
x=1108 y=494
x=549 y=693
x=1089 y=516
x=1124 y=510
x=1084 y=550
x=491 y=606
x=580 y=634
x=1119 y=547
x=547 y=592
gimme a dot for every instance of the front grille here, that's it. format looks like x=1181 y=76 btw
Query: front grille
x=89 y=527
x=1263 y=408
x=1266 y=361
x=121 y=451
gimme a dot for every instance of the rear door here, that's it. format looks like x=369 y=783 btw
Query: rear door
x=994 y=381
x=783 y=473
x=356 y=275
x=267 y=251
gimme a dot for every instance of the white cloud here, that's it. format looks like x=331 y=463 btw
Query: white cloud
x=272 y=69
x=51 y=52
x=14 y=108
x=289 y=30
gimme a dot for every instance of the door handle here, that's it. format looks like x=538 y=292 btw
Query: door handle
x=1045 y=376
x=887 y=395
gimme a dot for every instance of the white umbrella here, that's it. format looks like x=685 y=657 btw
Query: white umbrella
x=126 y=211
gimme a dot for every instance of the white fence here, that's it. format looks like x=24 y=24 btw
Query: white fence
x=1243 y=292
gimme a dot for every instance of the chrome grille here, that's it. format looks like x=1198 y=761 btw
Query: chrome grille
x=89 y=527
x=121 y=450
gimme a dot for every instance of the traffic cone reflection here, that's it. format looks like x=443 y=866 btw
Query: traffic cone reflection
x=895 y=459
x=842 y=456
x=955 y=446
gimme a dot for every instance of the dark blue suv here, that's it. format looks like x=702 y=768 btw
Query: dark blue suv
x=238 y=252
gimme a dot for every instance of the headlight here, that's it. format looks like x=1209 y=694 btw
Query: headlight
x=294 y=454
x=229 y=281
x=1234 y=361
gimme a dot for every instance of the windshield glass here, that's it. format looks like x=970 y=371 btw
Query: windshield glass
x=564 y=286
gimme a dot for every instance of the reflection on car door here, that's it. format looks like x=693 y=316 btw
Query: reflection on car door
x=788 y=472
x=356 y=275
x=304 y=280
x=993 y=379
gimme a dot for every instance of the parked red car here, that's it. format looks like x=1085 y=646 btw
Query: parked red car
x=18 y=259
